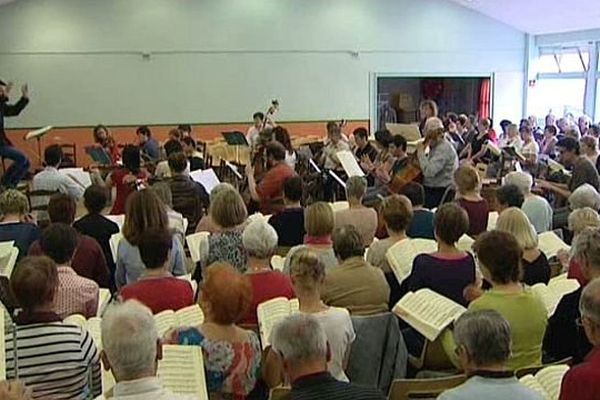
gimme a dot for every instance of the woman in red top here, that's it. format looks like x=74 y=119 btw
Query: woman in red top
x=468 y=188
x=157 y=288
x=260 y=241
x=104 y=139
x=127 y=178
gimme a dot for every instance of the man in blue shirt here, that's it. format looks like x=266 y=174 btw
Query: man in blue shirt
x=148 y=145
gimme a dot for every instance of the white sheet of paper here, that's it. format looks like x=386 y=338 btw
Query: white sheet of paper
x=234 y=169
x=206 y=178
x=349 y=163
x=78 y=175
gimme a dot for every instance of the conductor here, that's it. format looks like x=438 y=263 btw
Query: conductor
x=20 y=164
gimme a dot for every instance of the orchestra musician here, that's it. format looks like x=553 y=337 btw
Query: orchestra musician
x=363 y=146
x=427 y=109
x=105 y=140
x=148 y=146
x=438 y=165
x=387 y=168
x=20 y=163
x=269 y=192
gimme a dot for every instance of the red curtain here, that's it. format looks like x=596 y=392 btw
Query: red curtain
x=485 y=89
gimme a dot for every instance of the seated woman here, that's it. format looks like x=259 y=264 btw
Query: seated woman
x=56 y=359
x=207 y=223
x=396 y=212
x=468 y=187
x=88 y=260
x=176 y=221
x=154 y=247
x=96 y=225
x=449 y=270
x=364 y=219
x=144 y=211
x=260 y=241
x=318 y=223
x=104 y=139
x=499 y=256
x=354 y=284
x=125 y=179
x=308 y=275
x=281 y=135
x=536 y=268
x=228 y=212
x=579 y=220
x=421 y=225
x=231 y=354
x=513 y=139
x=16 y=223
x=508 y=196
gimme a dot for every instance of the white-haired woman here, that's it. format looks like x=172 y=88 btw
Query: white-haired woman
x=584 y=196
x=536 y=268
x=260 y=241
x=537 y=208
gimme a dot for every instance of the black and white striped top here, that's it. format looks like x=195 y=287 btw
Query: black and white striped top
x=55 y=359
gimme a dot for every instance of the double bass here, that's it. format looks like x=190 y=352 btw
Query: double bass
x=411 y=172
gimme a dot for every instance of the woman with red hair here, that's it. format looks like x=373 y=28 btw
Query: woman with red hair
x=232 y=354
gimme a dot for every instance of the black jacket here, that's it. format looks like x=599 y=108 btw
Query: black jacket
x=9 y=110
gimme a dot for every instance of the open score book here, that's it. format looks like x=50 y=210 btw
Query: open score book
x=546 y=381
x=270 y=313
x=428 y=312
x=552 y=293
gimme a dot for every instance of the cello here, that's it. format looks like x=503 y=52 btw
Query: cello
x=411 y=172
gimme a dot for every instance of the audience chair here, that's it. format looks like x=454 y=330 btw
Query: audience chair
x=404 y=389
x=279 y=393
x=282 y=251
x=432 y=358
x=521 y=372
x=39 y=194
x=114 y=244
x=69 y=155
x=201 y=147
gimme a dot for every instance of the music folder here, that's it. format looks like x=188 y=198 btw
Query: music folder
x=235 y=138
x=98 y=155
x=410 y=132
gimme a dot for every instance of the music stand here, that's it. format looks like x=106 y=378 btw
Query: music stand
x=38 y=134
x=98 y=155
x=237 y=139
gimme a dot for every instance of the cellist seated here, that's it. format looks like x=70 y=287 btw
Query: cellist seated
x=387 y=167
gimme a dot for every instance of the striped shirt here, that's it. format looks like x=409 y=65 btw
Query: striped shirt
x=55 y=359
x=323 y=386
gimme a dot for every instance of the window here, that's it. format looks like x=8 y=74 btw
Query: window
x=558 y=96
x=563 y=61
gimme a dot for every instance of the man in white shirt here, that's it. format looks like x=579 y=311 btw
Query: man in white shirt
x=131 y=351
x=254 y=131
x=51 y=179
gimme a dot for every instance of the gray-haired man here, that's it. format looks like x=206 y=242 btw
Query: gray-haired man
x=483 y=345
x=301 y=343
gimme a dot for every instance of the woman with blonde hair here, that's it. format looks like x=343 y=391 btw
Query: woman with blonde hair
x=16 y=222
x=308 y=274
x=468 y=196
x=144 y=210
x=536 y=268
x=318 y=223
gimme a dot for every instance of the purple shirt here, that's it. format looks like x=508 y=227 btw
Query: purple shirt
x=478 y=215
x=445 y=276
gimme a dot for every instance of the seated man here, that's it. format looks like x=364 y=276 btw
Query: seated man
x=483 y=345
x=354 y=284
x=51 y=180
x=583 y=170
x=363 y=146
x=583 y=381
x=300 y=341
x=421 y=225
x=194 y=156
x=188 y=196
x=149 y=147
x=364 y=219
x=97 y=226
x=131 y=351
x=154 y=246
x=563 y=323
x=163 y=170
x=269 y=192
x=289 y=223
x=75 y=294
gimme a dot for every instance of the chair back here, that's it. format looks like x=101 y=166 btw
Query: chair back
x=69 y=151
x=114 y=244
x=404 y=389
x=433 y=358
x=279 y=393
x=38 y=199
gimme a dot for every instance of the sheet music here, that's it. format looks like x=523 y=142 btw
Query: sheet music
x=337 y=178
x=349 y=163
x=182 y=370
x=38 y=133
x=551 y=244
x=269 y=313
x=190 y=316
x=277 y=262
x=550 y=378
x=165 y=320
x=81 y=177
x=206 y=178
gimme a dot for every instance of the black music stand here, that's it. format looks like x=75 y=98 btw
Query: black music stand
x=237 y=139
x=98 y=155
x=38 y=134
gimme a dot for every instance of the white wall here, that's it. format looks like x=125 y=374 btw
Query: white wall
x=220 y=60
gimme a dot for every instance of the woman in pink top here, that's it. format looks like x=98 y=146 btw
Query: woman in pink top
x=362 y=218
x=260 y=241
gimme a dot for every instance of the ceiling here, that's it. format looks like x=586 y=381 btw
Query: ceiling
x=540 y=16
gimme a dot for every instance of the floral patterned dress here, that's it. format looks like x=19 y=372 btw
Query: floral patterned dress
x=231 y=368
x=227 y=247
